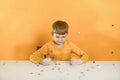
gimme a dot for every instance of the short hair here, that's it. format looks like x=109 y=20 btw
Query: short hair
x=60 y=27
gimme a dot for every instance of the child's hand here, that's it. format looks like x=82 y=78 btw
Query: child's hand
x=46 y=61
x=75 y=61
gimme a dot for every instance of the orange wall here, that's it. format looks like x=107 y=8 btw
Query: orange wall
x=94 y=26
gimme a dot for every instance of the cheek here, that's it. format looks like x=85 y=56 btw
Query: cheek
x=56 y=39
x=63 y=39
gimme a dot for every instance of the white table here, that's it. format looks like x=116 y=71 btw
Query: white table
x=26 y=70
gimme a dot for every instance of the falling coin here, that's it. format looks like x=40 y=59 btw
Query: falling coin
x=112 y=25
x=112 y=52
x=78 y=32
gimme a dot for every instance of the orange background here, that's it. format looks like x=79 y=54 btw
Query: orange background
x=94 y=26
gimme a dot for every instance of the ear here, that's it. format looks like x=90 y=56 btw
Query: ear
x=67 y=33
x=52 y=33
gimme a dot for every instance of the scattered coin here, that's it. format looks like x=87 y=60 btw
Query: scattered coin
x=58 y=69
x=31 y=72
x=87 y=70
x=41 y=70
x=52 y=68
x=38 y=74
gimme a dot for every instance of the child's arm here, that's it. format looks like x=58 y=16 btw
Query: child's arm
x=38 y=55
x=79 y=54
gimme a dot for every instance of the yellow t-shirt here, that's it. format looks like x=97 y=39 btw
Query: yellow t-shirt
x=64 y=53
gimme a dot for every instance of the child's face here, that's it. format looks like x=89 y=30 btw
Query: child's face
x=59 y=39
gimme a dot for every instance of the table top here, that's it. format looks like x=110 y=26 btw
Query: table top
x=59 y=70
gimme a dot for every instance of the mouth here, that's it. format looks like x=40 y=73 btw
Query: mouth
x=59 y=43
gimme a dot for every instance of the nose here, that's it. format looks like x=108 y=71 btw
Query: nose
x=60 y=39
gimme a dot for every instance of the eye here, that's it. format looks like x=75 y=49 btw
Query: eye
x=63 y=36
x=57 y=36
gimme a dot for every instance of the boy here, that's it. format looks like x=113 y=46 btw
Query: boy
x=59 y=48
